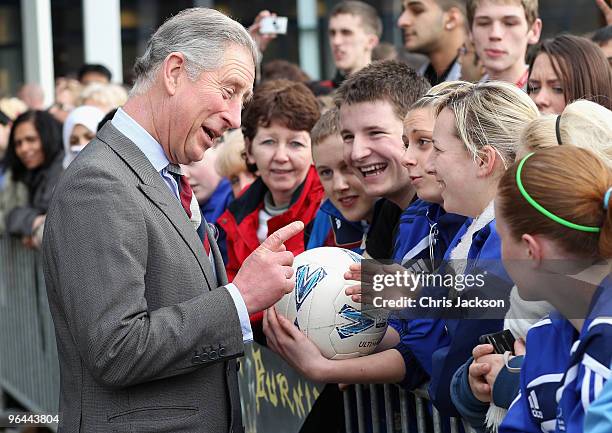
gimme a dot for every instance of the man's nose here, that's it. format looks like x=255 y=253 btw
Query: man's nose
x=232 y=115
x=359 y=150
x=404 y=20
x=497 y=31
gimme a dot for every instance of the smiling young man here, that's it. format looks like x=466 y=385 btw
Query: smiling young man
x=435 y=28
x=501 y=31
x=373 y=103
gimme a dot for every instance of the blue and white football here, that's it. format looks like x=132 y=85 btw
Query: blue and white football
x=319 y=307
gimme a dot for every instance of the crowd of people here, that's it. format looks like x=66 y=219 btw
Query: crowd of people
x=494 y=157
x=37 y=143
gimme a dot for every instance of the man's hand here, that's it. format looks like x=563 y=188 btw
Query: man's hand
x=262 y=41
x=606 y=10
x=287 y=340
x=266 y=275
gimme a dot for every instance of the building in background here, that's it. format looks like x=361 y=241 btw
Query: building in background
x=44 y=39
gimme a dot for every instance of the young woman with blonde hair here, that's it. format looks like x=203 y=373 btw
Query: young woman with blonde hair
x=475 y=140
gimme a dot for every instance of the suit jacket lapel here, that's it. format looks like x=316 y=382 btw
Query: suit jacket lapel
x=154 y=187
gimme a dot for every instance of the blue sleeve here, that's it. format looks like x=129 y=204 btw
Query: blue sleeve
x=598 y=418
x=471 y=409
x=446 y=360
x=485 y=255
x=423 y=337
x=507 y=383
x=415 y=373
x=593 y=374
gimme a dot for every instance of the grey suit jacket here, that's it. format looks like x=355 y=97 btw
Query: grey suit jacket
x=146 y=337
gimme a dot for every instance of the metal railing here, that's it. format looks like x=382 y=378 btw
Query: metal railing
x=29 y=369
x=363 y=405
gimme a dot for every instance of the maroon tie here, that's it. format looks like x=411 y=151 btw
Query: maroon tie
x=185 y=194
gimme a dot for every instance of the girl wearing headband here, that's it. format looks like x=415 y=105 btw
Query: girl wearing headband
x=554 y=219
x=584 y=124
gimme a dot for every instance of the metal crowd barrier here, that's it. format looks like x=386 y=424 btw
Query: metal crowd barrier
x=29 y=369
x=367 y=411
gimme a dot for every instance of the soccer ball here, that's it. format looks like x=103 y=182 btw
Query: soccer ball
x=319 y=307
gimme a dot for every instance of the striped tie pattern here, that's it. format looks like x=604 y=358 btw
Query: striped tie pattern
x=186 y=197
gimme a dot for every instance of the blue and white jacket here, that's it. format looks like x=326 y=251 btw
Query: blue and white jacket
x=425 y=231
x=534 y=410
x=484 y=258
x=424 y=234
x=589 y=364
x=563 y=372
x=330 y=229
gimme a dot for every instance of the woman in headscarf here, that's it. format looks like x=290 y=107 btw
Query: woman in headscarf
x=79 y=129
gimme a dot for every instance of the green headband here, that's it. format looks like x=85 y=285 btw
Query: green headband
x=542 y=210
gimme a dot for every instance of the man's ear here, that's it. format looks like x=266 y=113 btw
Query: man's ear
x=533 y=36
x=486 y=161
x=372 y=41
x=172 y=69
x=453 y=18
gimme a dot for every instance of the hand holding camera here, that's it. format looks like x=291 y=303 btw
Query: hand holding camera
x=265 y=28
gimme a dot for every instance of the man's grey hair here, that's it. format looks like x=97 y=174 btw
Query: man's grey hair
x=201 y=35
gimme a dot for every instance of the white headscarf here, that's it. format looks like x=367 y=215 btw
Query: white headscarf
x=85 y=115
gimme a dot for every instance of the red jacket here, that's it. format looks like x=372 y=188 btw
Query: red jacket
x=240 y=221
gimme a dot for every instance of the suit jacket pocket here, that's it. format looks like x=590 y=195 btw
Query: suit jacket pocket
x=153 y=413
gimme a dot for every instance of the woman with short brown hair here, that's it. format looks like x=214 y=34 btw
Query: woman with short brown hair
x=276 y=127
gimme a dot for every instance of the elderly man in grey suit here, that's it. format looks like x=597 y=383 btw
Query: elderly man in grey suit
x=147 y=327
